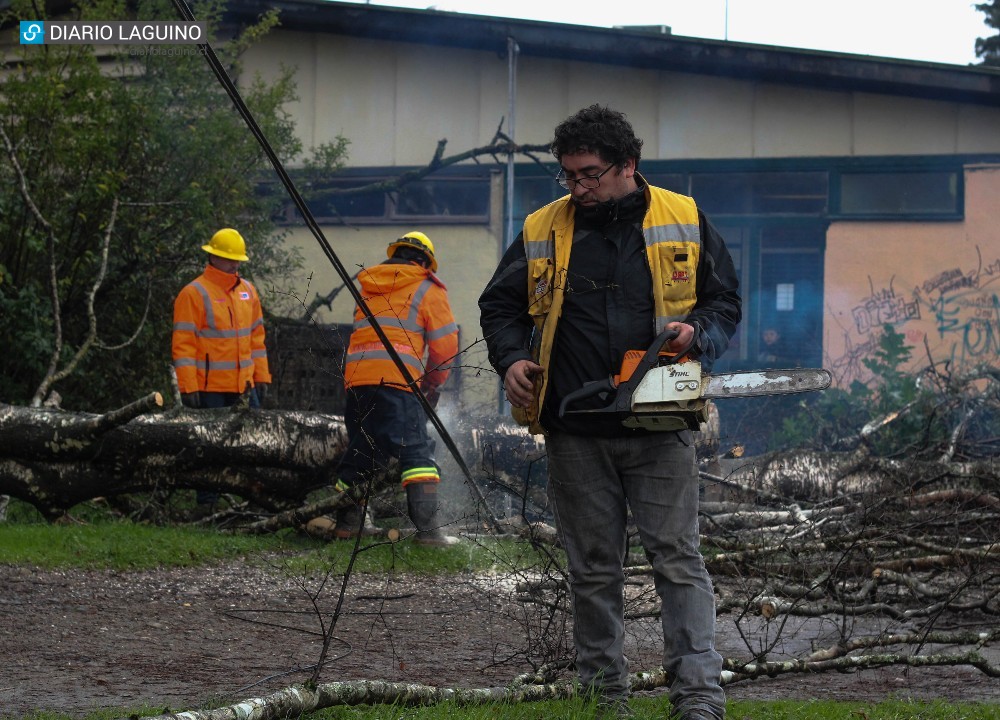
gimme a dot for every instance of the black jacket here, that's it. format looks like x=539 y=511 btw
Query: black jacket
x=608 y=309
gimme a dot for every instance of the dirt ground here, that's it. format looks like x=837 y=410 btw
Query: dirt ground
x=75 y=641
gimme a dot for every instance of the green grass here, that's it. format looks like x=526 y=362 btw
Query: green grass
x=123 y=546
x=106 y=543
x=656 y=708
x=645 y=709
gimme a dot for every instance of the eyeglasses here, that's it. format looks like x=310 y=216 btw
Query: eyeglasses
x=589 y=182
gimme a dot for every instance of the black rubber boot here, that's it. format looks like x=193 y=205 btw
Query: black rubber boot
x=349 y=522
x=422 y=505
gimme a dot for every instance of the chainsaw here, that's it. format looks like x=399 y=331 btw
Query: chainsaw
x=660 y=390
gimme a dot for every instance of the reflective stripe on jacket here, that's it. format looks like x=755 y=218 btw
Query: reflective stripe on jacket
x=673 y=246
x=218 y=337
x=411 y=306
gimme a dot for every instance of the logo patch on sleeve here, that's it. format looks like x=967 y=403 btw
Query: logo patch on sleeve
x=244 y=295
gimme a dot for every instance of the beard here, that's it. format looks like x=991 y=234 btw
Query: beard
x=606 y=212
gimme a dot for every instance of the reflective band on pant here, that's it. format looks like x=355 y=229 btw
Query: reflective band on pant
x=420 y=474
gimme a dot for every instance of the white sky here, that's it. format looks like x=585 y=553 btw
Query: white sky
x=935 y=30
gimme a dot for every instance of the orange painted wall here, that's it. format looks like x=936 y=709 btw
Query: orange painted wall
x=936 y=282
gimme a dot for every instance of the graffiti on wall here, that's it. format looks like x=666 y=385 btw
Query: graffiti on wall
x=966 y=310
x=957 y=306
x=883 y=306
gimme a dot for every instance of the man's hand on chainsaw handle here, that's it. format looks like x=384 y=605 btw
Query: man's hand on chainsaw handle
x=685 y=334
x=519 y=382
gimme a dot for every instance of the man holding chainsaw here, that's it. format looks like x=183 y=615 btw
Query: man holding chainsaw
x=384 y=418
x=602 y=271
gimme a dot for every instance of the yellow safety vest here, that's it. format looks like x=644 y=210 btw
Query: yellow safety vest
x=673 y=246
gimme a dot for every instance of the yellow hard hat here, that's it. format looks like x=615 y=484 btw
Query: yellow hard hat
x=417 y=240
x=227 y=243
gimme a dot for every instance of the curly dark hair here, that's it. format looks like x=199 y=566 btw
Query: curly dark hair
x=599 y=130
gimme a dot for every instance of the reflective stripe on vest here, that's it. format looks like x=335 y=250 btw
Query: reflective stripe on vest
x=401 y=331
x=221 y=350
x=405 y=354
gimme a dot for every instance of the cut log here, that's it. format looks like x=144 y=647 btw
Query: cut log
x=54 y=459
x=811 y=476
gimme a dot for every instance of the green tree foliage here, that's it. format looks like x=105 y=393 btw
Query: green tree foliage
x=142 y=145
x=989 y=48
x=892 y=400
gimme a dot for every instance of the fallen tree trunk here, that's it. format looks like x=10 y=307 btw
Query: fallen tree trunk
x=54 y=459
x=735 y=673
x=811 y=476
x=294 y=701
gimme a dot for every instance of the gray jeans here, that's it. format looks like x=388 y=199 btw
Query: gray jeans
x=592 y=483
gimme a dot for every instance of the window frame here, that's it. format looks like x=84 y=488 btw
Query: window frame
x=288 y=214
x=837 y=211
x=835 y=167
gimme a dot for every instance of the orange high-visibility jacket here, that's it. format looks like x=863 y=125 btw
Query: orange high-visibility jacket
x=411 y=306
x=218 y=340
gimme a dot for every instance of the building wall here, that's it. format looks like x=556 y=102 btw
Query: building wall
x=937 y=283
x=395 y=101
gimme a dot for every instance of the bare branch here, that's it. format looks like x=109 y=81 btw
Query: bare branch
x=53 y=374
x=22 y=186
x=142 y=322
x=771 y=669
x=500 y=145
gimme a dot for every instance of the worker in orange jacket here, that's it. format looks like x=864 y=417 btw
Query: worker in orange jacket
x=384 y=418
x=218 y=337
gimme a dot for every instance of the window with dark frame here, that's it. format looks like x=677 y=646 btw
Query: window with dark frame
x=904 y=193
x=448 y=197
x=846 y=188
x=460 y=199
x=761 y=193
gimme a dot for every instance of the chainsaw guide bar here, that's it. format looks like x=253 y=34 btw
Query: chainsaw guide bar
x=665 y=392
x=765 y=382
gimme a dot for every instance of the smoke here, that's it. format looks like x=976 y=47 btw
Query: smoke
x=506 y=462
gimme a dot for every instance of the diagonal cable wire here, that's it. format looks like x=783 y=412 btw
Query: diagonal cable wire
x=234 y=94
